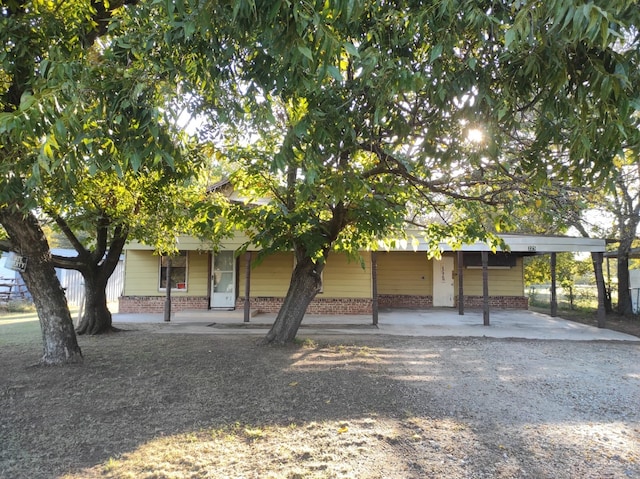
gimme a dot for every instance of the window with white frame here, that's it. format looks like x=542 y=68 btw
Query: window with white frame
x=178 y=273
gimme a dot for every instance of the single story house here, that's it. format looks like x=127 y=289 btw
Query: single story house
x=398 y=277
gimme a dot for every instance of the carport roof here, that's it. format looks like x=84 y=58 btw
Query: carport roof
x=530 y=244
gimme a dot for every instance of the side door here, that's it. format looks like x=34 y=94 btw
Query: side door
x=223 y=280
x=443 y=282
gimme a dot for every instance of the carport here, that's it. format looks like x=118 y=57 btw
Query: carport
x=517 y=245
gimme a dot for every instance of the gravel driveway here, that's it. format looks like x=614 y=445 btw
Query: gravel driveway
x=540 y=409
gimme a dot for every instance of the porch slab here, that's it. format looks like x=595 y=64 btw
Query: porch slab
x=518 y=324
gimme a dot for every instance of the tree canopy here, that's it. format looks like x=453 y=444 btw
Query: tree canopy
x=363 y=113
x=87 y=136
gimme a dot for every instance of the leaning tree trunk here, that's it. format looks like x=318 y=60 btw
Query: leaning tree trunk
x=305 y=284
x=60 y=344
x=96 y=317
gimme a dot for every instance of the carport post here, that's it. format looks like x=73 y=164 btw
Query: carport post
x=247 y=287
x=374 y=287
x=460 y=284
x=485 y=288
x=554 y=296
x=167 y=298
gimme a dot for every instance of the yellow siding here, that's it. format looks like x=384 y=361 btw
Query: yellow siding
x=143 y=269
x=341 y=279
x=502 y=282
x=404 y=272
x=197 y=274
x=344 y=279
x=270 y=278
x=399 y=272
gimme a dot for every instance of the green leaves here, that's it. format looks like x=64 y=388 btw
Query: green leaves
x=390 y=94
x=306 y=51
x=435 y=53
x=351 y=49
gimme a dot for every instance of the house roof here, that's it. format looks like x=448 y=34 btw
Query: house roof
x=524 y=244
x=516 y=243
x=219 y=185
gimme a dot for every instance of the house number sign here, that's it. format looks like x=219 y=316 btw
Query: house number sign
x=16 y=262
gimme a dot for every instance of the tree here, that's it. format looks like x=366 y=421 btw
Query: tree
x=611 y=211
x=72 y=108
x=26 y=31
x=363 y=111
x=151 y=206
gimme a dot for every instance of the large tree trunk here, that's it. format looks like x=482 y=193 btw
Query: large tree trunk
x=60 y=344
x=96 y=317
x=306 y=282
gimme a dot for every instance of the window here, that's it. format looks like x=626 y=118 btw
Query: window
x=178 y=271
x=499 y=260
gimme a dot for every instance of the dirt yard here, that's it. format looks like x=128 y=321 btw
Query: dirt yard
x=148 y=405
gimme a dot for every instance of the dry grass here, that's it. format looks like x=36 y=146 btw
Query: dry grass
x=148 y=405
x=615 y=322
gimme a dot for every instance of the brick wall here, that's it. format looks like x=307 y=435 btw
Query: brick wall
x=318 y=306
x=498 y=302
x=404 y=301
x=426 y=302
x=155 y=304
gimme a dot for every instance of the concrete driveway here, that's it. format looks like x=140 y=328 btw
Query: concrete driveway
x=421 y=323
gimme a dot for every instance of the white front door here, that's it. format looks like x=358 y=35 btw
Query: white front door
x=443 y=282
x=223 y=280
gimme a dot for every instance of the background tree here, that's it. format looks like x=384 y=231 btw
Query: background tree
x=611 y=211
x=151 y=207
x=624 y=206
x=122 y=192
x=569 y=269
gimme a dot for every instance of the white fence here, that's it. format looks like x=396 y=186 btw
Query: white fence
x=634 y=285
x=12 y=286
x=73 y=285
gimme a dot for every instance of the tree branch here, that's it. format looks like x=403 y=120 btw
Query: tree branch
x=69 y=234
x=6 y=245
x=67 y=262
x=392 y=166
x=120 y=236
x=102 y=230
x=101 y=19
